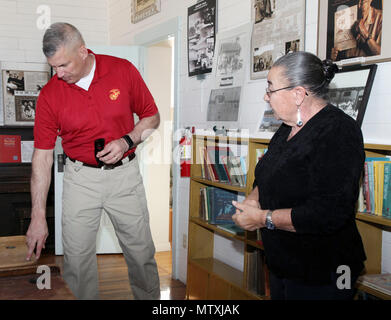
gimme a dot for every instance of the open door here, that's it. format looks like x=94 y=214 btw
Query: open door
x=106 y=241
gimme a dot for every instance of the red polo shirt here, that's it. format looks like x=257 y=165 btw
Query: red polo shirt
x=106 y=110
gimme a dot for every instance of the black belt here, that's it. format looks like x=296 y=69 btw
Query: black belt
x=107 y=166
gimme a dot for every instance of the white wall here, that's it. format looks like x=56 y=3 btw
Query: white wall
x=194 y=94
x=21 y=39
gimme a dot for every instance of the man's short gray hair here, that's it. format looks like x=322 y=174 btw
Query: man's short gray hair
x=60 y=34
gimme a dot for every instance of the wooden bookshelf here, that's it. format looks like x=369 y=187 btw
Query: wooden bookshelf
x=371 y=228
x=374 y=292
x=209 y=278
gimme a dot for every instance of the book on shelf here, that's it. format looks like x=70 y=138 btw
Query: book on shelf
x=231 y=228
x=216 y=205
x=235 y=169
x=379 y=282
x=215 y=154
x=257 y=275
x=10 y=149
x=375 y=194
x=219 y=164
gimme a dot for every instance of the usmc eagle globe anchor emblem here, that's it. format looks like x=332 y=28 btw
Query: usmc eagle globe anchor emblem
x=114 y=94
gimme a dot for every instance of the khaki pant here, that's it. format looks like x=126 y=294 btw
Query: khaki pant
x=120 y=193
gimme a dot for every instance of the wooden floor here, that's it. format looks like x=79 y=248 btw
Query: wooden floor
x=113 y=276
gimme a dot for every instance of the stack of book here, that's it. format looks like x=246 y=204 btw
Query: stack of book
x=376 y=187
x=218 y=164
x=257 y=275
x=216 y=205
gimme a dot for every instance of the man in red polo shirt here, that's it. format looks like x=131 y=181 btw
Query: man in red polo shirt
x=90 y=104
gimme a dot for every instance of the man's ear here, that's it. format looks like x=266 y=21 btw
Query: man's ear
x=83 y=52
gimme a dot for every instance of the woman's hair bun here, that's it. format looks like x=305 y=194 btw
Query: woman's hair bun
x=329 y=69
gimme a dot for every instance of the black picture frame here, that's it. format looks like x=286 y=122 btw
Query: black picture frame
x=351 y=88
x=201 y=36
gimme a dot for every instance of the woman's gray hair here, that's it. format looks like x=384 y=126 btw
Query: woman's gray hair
x=307 y=70
x=60 y=34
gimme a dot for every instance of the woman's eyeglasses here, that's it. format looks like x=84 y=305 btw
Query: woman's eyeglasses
x=269 y=92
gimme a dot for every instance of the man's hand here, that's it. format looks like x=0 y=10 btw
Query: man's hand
x=113 y=151
x=36 y=236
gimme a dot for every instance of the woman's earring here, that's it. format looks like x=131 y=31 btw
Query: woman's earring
x=299 y=122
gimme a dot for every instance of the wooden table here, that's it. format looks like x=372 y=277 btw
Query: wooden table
x=18 y=277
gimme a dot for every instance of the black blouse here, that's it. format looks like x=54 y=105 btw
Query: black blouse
x=317 y=174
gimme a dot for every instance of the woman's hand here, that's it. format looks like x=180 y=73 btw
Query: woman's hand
x=249 y=215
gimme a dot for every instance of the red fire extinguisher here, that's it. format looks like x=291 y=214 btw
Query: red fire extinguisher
x=185 y=143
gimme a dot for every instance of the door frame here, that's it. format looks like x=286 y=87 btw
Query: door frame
x=144 y=39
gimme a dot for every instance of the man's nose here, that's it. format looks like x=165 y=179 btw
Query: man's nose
x=60 y=72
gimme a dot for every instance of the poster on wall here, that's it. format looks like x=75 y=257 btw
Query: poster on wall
x=20 y=94
x=278 y=28
x=351 y=31
x=231 y=57
x=224 y=104
x=201 y=31
x=142 y=9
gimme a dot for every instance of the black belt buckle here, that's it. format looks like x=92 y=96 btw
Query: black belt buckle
x=108 y=166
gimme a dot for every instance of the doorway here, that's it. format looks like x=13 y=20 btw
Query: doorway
x=154 y=35
x=155 y=152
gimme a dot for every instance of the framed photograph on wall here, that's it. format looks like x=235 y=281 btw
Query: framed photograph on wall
x=142 y=9
x=353 y=31
x=201 y=31
x=20 y=93
x=350 y=90
x=278 y=28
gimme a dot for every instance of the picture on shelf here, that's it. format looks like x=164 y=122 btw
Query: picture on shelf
x=351 y=31
x=201 y=31
x=350 y=90
x=20 y=93
x=142 y=9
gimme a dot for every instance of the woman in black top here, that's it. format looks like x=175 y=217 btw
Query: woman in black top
x=306 y=186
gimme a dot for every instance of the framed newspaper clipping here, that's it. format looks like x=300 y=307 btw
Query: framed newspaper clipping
x=278 y=28
x=142 y=9
x=353 y=31
x=20 y=93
